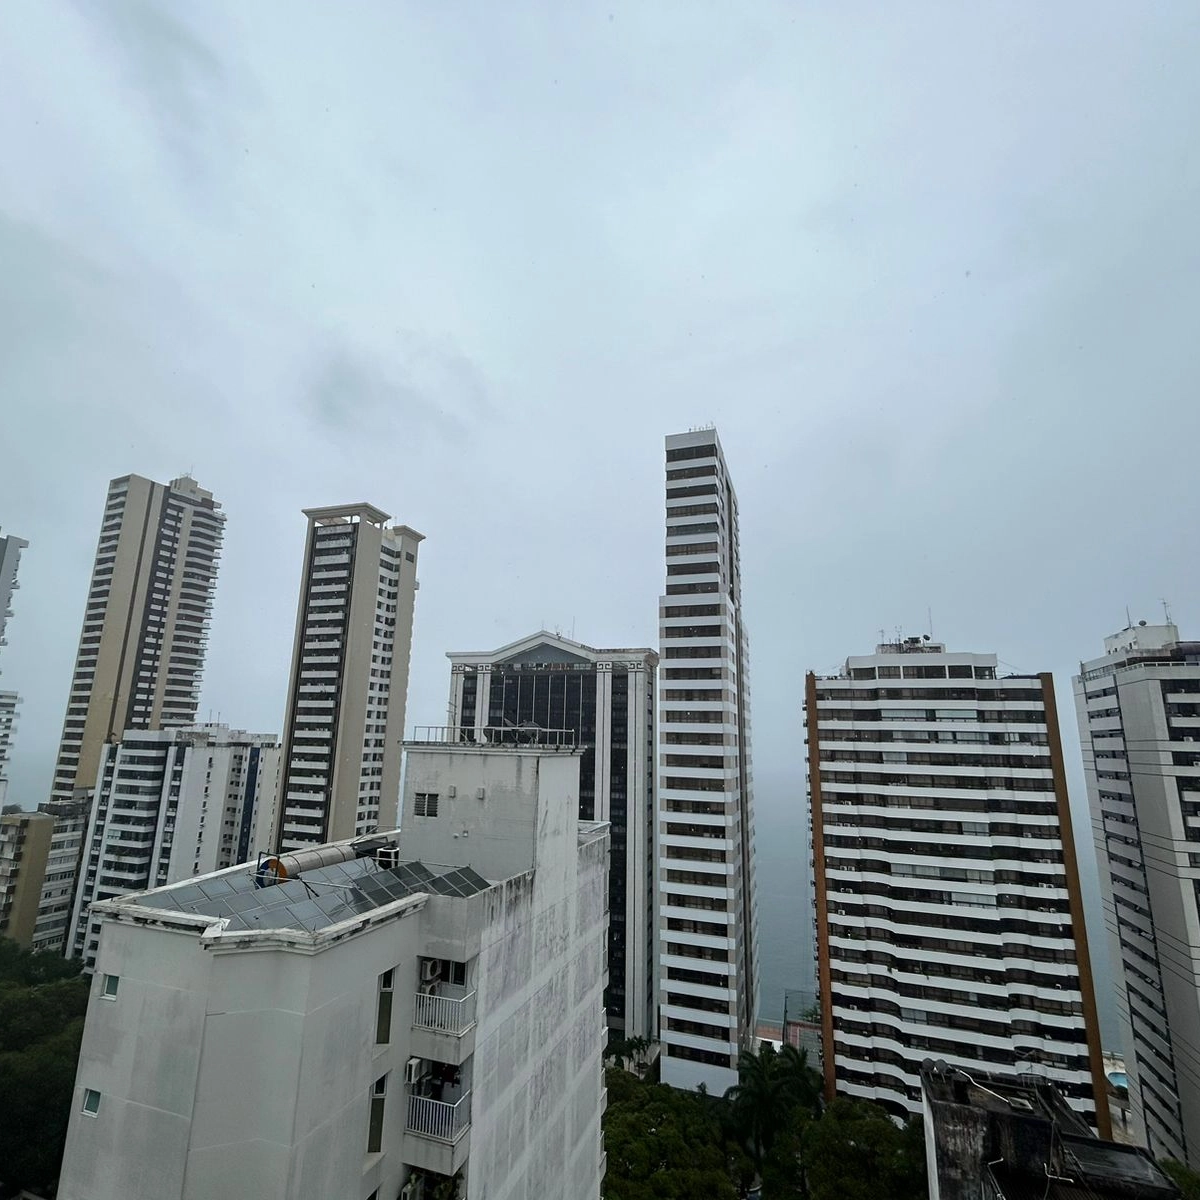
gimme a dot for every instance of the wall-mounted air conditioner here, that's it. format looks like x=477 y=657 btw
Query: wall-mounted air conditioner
x=412 y=1070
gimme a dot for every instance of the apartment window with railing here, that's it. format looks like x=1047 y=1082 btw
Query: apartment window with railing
x=383 y=1009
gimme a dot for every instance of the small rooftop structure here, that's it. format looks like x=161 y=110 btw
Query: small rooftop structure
x=1009 y=1138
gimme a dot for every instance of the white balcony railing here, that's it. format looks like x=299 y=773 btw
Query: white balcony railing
x=438 y=1120
x=451 y=1009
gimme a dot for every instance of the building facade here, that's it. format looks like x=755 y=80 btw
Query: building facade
x=62 y=862
x=170 y=804
x=949 y=915
x=145 y=629
x=1138 y=708
x=24 y=846
x=349 y=682
x=707 y=918
x=10 y=561
x=606 y=698
x=366 y=1019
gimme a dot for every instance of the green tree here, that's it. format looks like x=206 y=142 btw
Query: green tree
x=857 y=1152
x=1184 y=1178
x=664 y=1144
x=42 y=1006
x=772 y=1085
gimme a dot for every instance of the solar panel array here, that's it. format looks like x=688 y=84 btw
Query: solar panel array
x=315 y=900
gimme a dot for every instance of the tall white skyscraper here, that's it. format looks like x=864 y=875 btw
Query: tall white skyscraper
x=606 y=698
x=1139 y=723
x=345 y=710
x=10 y=560
x=145 y=629
x=169 y=804
x=949 y=914
x=708 y=923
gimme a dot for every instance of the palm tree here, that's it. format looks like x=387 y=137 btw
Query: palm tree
x=771 y=1085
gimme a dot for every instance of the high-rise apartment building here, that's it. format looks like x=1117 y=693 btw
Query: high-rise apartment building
x=949 y=915
x=169 y=804
x=345 y=710
x=10 y=560
x=367 y=1020
x=1139 y=723
x=24 y=845
x=141 y=652
x=58 y=884
x=606 y=698
x=708 y=925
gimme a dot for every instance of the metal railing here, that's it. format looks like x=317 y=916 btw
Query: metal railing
x=495 y=735
x=451 y=1009
x=438 y=1120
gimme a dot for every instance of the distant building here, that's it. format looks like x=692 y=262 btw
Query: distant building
x=1139 y=724
x=10 y=560
x=169 y=804
x=349 y=682
x=145 y=629
x=379 y=1015
x=708 y=921
x=9 y=703
x=949 y=914
x=24 y=845
x=606 y=698
x=58 y=886
x=1008 y=1137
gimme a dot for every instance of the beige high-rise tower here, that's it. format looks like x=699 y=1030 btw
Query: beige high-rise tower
x=340 y=769
x=141 y=652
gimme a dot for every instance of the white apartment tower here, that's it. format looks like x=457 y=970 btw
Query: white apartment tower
x=707 y=917
x=169 y=804
x=949 y=915
x=145 y=629
x=345 y=711
x=1139 y=723
x=606 y=698
x=366 y=1020
x=10 y=560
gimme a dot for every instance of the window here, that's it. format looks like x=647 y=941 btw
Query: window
x=378 y=1098
x=383 y=1012
x=109 y=988
x=91 y=1102
x=426 y=804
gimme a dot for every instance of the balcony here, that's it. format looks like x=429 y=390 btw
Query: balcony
x=444 y=1024
x=435 y=1133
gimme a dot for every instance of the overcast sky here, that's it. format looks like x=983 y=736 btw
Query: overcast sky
x=933 y=270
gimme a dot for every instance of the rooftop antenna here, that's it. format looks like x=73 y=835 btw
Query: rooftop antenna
x=929 y=615
x=1167 y=612
x=1128 y=618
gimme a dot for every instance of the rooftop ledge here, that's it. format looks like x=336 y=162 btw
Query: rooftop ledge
x=527 y=737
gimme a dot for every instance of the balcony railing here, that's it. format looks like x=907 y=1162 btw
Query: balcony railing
x=449 y=1010
x=438 y=1120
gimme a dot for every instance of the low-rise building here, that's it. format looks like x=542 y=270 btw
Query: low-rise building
x=367 y=1018
x=1007 y=1137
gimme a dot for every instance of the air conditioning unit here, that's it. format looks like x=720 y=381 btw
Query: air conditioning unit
x=412 y=1070
x=387 y=857
x=431 y=970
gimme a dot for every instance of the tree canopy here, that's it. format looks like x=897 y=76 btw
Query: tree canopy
x=43 y=1001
